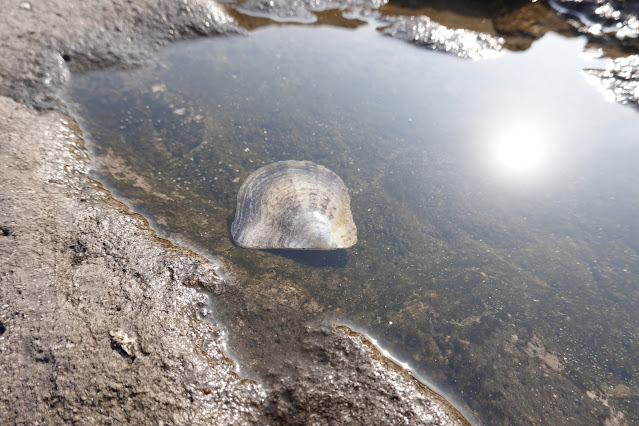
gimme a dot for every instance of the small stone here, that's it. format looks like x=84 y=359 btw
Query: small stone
x=158 y=88
x=25 y=5
x=123 y=341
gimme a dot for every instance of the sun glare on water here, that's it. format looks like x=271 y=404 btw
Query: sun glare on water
x=520 y=149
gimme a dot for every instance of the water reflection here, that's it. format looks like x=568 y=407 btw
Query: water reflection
x=520 y=149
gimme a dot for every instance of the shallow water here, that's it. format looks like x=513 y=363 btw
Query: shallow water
x=496 y=204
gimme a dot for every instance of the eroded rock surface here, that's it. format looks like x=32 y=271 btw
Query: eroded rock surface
x=41 y=43
x=97 y=322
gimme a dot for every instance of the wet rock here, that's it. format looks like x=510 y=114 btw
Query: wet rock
x=419 y=29
x=301 y=11
x=517 y=24
x=422 y=30
x=619 y=80
x=61 y=318
x=41 y=47
x=611 y=26
x=478 y=8
x=281 y=10
x=616 y=18
x=522 y=26
x=351 y=393
x=467 y=29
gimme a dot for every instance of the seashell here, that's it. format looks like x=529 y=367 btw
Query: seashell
x=294 y=205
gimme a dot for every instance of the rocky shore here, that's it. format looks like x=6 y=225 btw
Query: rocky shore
x=99 y=318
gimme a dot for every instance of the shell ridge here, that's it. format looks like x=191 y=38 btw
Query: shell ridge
x=293 y=204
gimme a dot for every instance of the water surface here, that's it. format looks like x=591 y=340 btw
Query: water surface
x=496 y=204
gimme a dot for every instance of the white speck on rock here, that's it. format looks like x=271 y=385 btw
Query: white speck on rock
x=126 y=343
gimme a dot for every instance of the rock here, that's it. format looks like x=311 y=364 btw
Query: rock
x=422 y=30
x=98 y=269
x=40 y=48
x=620 y=79
x=616 y=18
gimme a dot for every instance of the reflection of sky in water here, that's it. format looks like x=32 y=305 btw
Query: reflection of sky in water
x=496 y=201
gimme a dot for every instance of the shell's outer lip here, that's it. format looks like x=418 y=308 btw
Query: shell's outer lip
x=295 y=205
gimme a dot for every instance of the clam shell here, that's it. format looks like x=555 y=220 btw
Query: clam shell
x=294 y=205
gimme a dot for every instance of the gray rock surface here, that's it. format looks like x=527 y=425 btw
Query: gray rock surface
x=99 y=317
x=97 y=322
x=43 y=41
